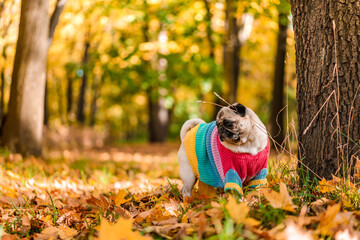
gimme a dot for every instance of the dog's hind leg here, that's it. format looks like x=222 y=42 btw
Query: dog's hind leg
x=186 y=173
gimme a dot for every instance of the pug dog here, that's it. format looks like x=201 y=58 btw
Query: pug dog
x=228 y=153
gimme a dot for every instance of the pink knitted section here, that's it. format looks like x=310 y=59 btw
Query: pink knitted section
x=216 y=155
x=245 y=164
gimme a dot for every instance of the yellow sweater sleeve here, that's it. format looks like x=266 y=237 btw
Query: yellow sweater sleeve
x=189 y=144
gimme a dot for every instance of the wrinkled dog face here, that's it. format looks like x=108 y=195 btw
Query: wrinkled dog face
x=233 y=124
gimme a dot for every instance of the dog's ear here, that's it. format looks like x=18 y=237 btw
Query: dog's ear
x=239 y=108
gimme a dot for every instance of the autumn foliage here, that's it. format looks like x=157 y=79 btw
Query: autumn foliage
x=123 y=199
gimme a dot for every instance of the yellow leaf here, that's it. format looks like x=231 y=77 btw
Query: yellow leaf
x=327 y=219
x=237 y=211
x=122 y=230
x=120 y=197
x=280 y=200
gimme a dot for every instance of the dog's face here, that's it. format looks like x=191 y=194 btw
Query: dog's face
x=233 y=124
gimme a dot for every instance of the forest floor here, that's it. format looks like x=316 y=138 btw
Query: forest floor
x=132 y=192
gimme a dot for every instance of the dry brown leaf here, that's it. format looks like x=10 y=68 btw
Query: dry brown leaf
x=172 y=207
x=319 y=205
x=215 y=213
x=168 y=231
x=202 y=224
x=206 y=190
x=169 y=221
x=9 y=237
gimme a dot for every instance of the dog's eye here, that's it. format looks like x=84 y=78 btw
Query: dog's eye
x=227 y=123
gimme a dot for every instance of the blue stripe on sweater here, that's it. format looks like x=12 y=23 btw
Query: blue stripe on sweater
x=207 y=173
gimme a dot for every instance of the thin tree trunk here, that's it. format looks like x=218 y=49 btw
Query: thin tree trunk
x=46 y=106
x=158 y=119
x=80 y=117
x=93 y=105
x=208 y=17
x=24 y=124
x=277 y=116
x=158 y=114
x=2 y=113
x=60 y=100
x=69 y=94
x=54 y=20
x=231 y=51
x=327 y=41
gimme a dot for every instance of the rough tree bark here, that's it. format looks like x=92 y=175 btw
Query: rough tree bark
x=24 y=125
x=328 y=73
x=80 y=116
x=277 y=116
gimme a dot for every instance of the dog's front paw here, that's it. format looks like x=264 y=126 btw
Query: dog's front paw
x=185 y=193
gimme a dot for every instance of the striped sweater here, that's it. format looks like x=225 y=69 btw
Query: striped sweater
x=217 y=166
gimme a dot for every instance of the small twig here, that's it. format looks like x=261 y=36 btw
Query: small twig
x=277 y=122
x=200 y=101
x=318 y=113
x=222 y=99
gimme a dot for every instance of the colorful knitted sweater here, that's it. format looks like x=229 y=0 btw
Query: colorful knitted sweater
x=217 y=166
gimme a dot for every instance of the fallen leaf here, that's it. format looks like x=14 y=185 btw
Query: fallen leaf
x=206 y=190
x=280 y=200
x=61 y=232
x=122 y=230
x=237 y=211
x=327 y=218
x=326 y=186
x=120 y=197
x=202 y=224
x=319 y=205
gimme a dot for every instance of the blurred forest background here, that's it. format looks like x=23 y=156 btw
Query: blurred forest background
x=134 y=70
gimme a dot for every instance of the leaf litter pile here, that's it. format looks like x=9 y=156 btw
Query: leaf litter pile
x=134 y=193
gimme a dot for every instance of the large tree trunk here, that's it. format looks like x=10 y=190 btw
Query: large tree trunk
x=231 y=51
x=24 y=124
x=277 y=116
x=80 y=116
x=328 y=72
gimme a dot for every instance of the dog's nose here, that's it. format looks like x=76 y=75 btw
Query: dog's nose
x=235 y=138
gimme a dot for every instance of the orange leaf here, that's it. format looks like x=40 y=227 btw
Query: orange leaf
x=120 y=197
x=122 y=230
x=326 y=186
x=280 y=200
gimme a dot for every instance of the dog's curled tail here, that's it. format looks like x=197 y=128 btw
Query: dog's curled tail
x=189 y=124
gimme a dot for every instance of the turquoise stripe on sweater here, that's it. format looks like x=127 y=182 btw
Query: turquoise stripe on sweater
x=207 y=173
x=217 y=179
